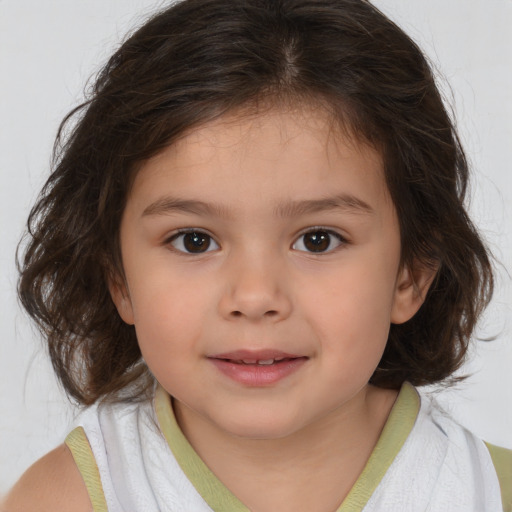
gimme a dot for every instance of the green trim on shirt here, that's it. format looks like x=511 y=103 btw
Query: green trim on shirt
x=80 y=448
x=502 y=460
x=214 y=492
x=396 y=430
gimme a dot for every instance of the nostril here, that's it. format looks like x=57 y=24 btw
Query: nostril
x=271 y=313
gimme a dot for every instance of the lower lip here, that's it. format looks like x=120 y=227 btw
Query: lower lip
x=254 y=375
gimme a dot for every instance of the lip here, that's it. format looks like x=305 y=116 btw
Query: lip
x=259 y=355
x=254 y=375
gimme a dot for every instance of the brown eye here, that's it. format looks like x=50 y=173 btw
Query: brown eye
x=193 y=242
x=319 y=240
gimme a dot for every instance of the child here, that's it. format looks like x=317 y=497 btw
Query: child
x=252 y=247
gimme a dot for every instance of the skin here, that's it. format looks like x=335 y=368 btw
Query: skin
x=257 y=286
x=53 y=483
x=257 y=188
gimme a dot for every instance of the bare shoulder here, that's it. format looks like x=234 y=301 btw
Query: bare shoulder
x=53 y=483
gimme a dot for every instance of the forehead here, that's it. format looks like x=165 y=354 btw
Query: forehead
x=277 y=155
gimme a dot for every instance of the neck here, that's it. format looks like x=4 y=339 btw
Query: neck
x=310 y=469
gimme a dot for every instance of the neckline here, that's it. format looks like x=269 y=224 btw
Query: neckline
x=396 y=430
x=219 y=498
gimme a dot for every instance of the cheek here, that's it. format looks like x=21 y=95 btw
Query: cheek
x=351 y=313
x=169 y=331
x=169 y=314
x=353 y=295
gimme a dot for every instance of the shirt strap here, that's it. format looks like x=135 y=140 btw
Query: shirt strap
x=502 y=460
x=81 y=450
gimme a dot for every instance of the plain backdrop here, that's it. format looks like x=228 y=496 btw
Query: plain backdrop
x=48 y=50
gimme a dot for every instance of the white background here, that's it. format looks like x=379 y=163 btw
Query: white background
x=48 y=49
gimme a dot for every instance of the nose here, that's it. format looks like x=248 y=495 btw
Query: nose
x=256 y=289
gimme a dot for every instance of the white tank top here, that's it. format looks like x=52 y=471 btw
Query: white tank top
x=134 y=458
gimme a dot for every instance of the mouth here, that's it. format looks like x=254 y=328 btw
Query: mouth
x=264 y=362
x=258 y=357
x=258 y=368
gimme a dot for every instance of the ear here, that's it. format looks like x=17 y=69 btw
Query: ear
x=121 y=298
x=411 y=289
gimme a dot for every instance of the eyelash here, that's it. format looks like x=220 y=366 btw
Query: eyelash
x=320 y=229
x=182 y=232
x=205 y=236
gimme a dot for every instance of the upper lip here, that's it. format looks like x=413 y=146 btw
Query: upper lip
x=257 y=355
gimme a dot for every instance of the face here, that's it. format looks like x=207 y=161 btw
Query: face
x=262 y=265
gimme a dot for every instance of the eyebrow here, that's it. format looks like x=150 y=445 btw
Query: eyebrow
x=343 y=202
x=170 y=205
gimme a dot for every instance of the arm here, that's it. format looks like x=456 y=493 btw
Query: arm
x=52 y=484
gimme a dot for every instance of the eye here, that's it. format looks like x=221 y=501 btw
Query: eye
x=318 y=241
x=193 y=242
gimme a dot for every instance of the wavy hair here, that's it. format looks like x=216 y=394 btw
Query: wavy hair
x=194 y=62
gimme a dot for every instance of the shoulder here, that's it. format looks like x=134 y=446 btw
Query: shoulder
x=502 y=460
x=53 y=484
x=486 y=462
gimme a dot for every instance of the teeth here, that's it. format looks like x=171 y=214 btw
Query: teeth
x=263 y=362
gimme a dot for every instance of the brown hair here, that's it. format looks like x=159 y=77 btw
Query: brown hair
x=196 y=61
